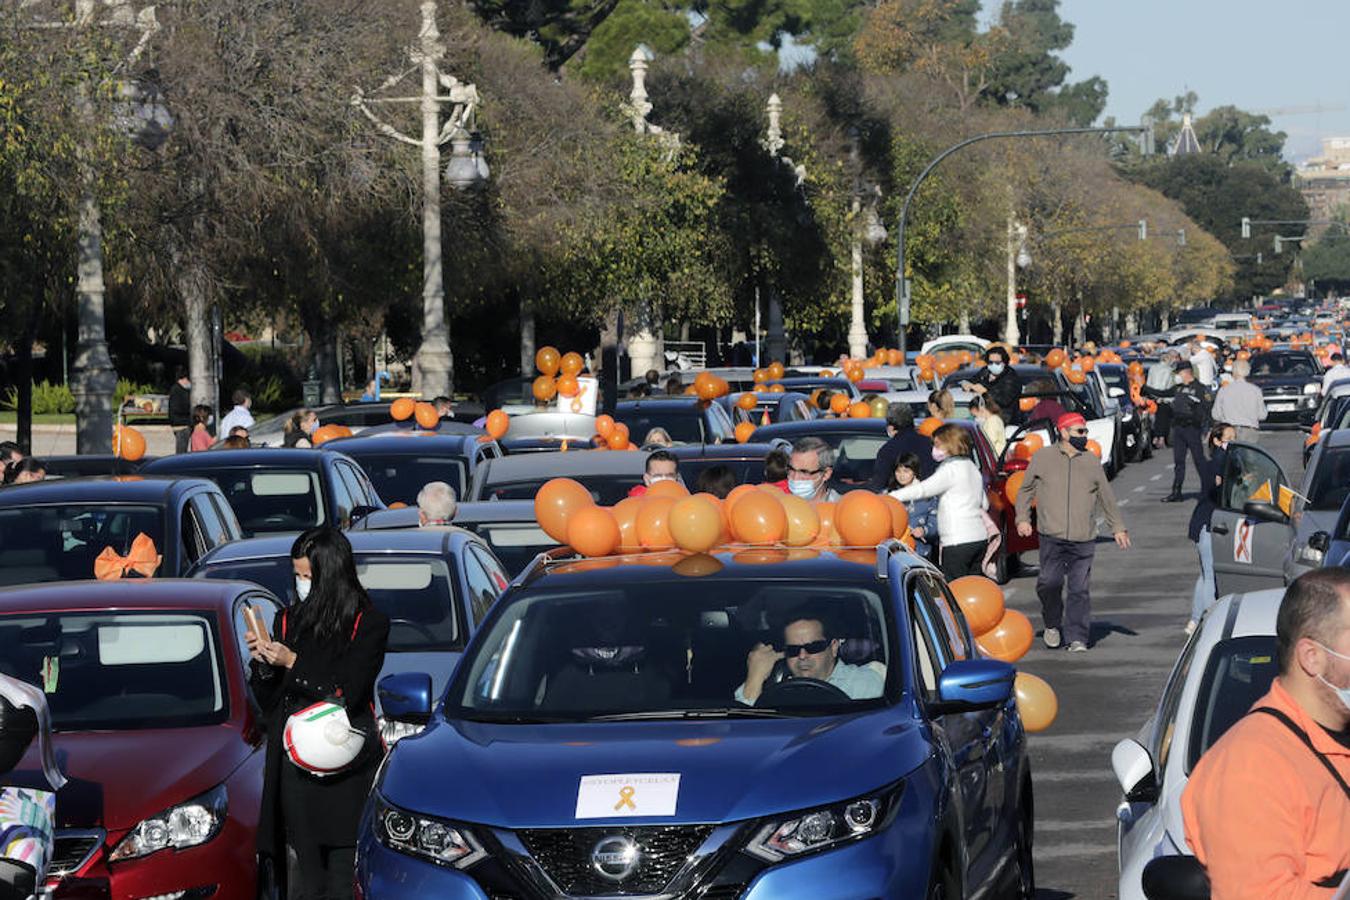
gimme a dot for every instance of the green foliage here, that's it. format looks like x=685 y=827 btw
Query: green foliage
x=125 y=388
x=48 y=399
x=1328 y=260
x=661 y=28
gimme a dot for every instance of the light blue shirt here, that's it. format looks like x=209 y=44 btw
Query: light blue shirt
x=859 y=682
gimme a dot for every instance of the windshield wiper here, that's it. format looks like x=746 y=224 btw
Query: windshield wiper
x=721 y=712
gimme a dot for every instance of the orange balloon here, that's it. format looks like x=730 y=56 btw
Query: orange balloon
x=426 y=415
x=593 y=531
x=757 y=518
x=1075 y=376
x=855 y=375
x=567 y=386
x=1136 y=368
x=398 y=504
x=1094 y=448
x=826 y=535
x=697 y=566
x=775 y=371
x=695 y=524
x=745 y=430
x=1013 y=485
x=859 y=410
x=618 y=437
x=402 y=409
x=1088 y=363
x=980 y=599
x=1036 y=701
x=672 y=489
x=1027 y=404
x=128 y=443
x=1027 y=446
x=839 y=403
x=653 y=523
x=323 y=434
x=497 y=424
x=544 y=388
x=547 y=360
x=862 y=519
x=929 y=425
x=895 y=358
x=746 y=401
x=899 y=515
x=1055 y=358
x=706 y=388
x=761 y=376
x=555 y=503
x=604 y=425
x=803 y=523
x=625 y=516
x=1010 y=639
x=777 y=389
x=572 y=364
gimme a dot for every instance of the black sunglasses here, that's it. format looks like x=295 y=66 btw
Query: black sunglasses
x=792 y=651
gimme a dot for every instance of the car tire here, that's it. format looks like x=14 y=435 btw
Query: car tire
x=1023 y=886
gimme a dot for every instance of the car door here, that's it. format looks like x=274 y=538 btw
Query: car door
x=214 y=530
x=962 y=732
x=192 y=543
x=484 y=581
x=343 y=501
x=1248 y=553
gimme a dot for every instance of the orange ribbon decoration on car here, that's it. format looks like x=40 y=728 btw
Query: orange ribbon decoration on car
x=143 y=559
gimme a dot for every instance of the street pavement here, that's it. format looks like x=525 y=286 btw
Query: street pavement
x=1140 y=604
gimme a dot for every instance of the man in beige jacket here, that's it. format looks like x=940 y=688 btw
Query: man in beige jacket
x=1068 y=486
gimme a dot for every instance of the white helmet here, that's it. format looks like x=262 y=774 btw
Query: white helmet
x=321 y=740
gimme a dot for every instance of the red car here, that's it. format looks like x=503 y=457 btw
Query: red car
x=996 y=472
x=155 y=729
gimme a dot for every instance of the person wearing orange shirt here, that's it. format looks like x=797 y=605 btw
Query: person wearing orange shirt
x=1267 y=809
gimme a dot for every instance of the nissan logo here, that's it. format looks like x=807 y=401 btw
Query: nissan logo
x=615 y=857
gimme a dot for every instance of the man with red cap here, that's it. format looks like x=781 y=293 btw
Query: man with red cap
x=1068 y=486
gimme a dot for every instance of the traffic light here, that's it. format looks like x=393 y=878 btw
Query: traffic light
x=1279 y=245
x=1181 y=237
x=1143 y=229
x=1246 y=227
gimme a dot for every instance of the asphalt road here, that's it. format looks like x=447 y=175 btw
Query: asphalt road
x=1140 y=604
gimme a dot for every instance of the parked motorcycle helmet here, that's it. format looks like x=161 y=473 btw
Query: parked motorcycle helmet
x=321 y=740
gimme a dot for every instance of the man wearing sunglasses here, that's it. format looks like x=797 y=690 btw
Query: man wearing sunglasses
x=1068 y=486
x=809 y=654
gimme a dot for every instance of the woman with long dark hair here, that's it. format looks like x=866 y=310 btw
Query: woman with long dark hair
x=328 y=646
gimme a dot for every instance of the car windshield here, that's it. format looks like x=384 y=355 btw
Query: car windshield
x=107 y=671
x=399 y=477
x=1330 y=481
x=746 y=471
x=855 y=455
x=270 y=501
x=605 y=489
x=1239 y=673
x=1117 y=378
x=60 y=543
x=662 y=650
x=515 y=543
x=1282 y=364
x=685 y=426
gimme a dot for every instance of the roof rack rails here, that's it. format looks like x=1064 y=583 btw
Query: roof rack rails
x=885 y=550
x=543 y=559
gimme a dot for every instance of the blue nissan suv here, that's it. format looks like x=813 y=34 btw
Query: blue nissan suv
x=604 y=736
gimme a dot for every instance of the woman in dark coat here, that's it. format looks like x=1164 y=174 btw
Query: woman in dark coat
x=329 y=646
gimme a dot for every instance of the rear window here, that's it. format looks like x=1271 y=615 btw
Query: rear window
x=515 y=543
x=683 y=426
x=399 y=478
x=270 y=501
x=1283 y=364
x=60 y=543
x=1239 y=673
x=606 y=490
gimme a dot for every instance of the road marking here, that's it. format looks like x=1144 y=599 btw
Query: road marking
x=1157 y=477
x=1139 y=490
x=1124 y=502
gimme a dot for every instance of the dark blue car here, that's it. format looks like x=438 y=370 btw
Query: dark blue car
x=400 y=463
x=591 y=744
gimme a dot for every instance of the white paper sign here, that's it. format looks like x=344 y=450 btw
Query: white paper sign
x=625 y=796
x=584 y=401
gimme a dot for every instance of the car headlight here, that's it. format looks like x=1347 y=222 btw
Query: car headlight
x=185 y=825
x=391 y=732
x=813 y=830
x=425 y=837
x=1312 y=387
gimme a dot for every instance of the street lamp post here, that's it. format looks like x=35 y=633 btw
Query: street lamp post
x=433 y=367
x=1018 y=258
x=866 y=227
x=903 y=291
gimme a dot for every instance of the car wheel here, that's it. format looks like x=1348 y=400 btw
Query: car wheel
x=943 y=884
x=1146 y=442
x=1025 y=886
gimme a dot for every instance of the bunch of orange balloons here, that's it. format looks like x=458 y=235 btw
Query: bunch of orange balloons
x=611 y=435
x=558 y=374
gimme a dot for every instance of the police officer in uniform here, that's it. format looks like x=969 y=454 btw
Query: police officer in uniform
x=1191 y=402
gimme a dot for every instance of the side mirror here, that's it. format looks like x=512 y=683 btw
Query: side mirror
x=1263 y=512
x=1175 y=878
x=1115 y=393
x=970 y=684
x=406 y=697
x=360 y=512
x=1134 y=771
x=1319 y=541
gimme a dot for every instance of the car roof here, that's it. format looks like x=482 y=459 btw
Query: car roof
x=468 y=513
x=431 y=541
x=756 y=450
x=1337 y=440
x=129 y=593
x=1248 y=614
x=564 y=463
x=551 y=424
x=408 y=442
x=659 y=404
x=790 y=430
x=99 y=489
x=258 y=457
x=444 y=428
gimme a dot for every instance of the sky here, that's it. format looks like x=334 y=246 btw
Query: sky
x=1260 y=55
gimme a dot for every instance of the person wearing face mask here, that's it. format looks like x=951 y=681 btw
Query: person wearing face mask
x=810 y=468
x=201 y=439
x=328 y=647
x=997 y=380
x=300 y=428
x=661 y=465
x=959 y=487
x=1068 y=486
x=1211 y=480
x=1267 y=808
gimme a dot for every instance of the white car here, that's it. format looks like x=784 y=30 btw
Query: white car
x=1226 y=666
x=958 y=342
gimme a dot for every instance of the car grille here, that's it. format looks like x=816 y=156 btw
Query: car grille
x=565 y=854
x=1282 y=390
x=73 y=850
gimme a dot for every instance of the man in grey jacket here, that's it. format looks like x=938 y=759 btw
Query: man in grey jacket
x=1068 y=486
x=1240 y=404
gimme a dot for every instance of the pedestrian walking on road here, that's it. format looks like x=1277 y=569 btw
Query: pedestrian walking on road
x=1240 y=404
x=180 y=410
x=1191 y=403
x=1202 y=362
x=201 y=438
x=959 y=487
x=1211 y=482
x=1068 y=486
x=1267 y=808
x=327 y=647
x=240 y=416
x=904 y=438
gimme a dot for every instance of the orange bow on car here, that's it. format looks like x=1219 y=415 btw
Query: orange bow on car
x=143 y=559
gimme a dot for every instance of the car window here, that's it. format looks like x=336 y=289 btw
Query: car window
x=951 y=627
x=1248 y=471
x=723 y=429
x=190 y=535
x=208 y=518
x=354 y=484
x=1330 y=481
x=61 y=542
x=855 y=456
x=1277 y=364
x=483 y=589
x=683 y=424
x=268 y=609
x=226 y=515
x=399 y=477
x=514 y=543
x=419 y=597
x=1239 y=672
x=268 y=501
x=927 y=656
x=1164 y=729
x=343 y=501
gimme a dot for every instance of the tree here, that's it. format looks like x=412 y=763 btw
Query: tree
x=1030 y=75
x=1327 y=262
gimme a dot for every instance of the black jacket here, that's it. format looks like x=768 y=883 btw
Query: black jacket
x=1005 y=389
x=1209 y=493
x=323 y=670
x=907 y=441
x=180 y=406
x=1191 y=403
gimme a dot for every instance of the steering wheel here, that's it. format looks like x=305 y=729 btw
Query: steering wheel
x=801 y=692
x=420 y=628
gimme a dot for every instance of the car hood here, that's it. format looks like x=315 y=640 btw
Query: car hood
x=439 y=664
x=118 y=778
x=528 y=775
x=1280 y=380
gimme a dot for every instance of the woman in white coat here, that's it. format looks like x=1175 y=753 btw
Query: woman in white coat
x=959 y=487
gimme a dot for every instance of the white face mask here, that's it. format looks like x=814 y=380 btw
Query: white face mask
x=995 y=368
x=804 y=488
x=1342 y=692
x=302 y=586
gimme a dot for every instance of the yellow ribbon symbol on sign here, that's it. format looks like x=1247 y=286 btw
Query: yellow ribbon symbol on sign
x=626 y=799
